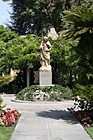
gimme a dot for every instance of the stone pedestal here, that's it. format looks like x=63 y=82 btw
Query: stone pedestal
x=45 y=78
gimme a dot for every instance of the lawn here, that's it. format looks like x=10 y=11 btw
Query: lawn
x=90 y=131
x=6 y=133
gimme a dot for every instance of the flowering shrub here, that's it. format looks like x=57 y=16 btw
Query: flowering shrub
x=8 y=117
x=55 y=93
x=85 y=116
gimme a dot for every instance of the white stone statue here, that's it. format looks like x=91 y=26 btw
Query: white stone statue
x=45 y=47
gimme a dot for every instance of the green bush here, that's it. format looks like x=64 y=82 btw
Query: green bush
x=86 y=96
x=56 y=92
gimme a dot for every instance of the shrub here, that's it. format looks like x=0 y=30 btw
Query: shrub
x=51 y=93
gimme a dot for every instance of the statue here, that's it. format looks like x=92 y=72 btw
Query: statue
x=45 y=47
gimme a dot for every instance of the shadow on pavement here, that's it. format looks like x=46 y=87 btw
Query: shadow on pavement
x=59 y=115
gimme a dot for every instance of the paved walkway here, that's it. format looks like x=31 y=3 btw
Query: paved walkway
x=46 y=121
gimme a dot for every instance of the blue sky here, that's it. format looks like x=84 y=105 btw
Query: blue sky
x=4 y=15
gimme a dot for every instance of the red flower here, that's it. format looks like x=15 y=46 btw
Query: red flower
x=88 y=118
x=7 y=117
x=43 y=43
x=7 y=83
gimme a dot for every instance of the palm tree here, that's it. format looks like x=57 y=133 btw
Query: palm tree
x=82 y=29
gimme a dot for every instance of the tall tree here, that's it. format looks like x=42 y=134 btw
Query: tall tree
x=17 y=23
x=82 y=19
x=35 y=16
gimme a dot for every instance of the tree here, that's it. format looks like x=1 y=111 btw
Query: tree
x=5 y=36
x=23 y=53
x=35 y=16
x=63 y=70
x=82 y=19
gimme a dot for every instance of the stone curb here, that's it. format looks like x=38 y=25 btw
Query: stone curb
x=40 y=102
x=8 y=95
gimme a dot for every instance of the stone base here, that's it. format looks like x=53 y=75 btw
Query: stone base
x=45 y=78
x=45 y=69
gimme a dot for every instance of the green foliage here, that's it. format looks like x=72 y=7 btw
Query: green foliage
x=16 y=85
x=83 y=22
x=56 y=92
x=60 y=55
x=82 y=3
x=6 y=35
x=22 y=53
x=84 y=92
x=1 y=101
x=36 y=16
x=82 y=19
x=5 y=79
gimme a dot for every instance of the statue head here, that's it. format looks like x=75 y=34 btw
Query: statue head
x=45 y=39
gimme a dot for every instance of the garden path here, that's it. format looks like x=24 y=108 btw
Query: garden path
x=46 y=121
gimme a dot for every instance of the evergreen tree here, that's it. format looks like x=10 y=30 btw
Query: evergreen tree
x=17 y=23
x=30 y=16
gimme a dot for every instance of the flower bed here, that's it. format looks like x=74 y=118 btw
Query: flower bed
x=85 y=117
x=9 y=117
x=82 y=112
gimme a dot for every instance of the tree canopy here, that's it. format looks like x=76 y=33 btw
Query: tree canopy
x=82 y=29
x=35 y=16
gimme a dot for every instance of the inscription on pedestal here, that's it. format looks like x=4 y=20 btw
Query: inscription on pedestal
x=45 y=78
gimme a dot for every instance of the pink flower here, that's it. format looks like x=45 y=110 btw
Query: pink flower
x=88 y=118
x=85 y=123
x=6 y=123
x=7 y=83
x=4 y=118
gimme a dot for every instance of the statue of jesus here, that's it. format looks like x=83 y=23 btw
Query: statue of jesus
x=45 y=48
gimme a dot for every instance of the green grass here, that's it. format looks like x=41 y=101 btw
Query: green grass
x=6 y=133
x=90 y=131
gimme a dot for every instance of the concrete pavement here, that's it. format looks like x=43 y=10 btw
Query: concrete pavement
x=46 y=121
